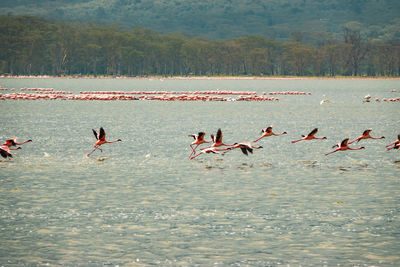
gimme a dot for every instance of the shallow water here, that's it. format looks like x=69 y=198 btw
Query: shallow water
x=142 y=202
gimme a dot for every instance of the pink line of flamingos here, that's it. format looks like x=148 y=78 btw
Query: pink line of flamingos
x=248 y=147
x=217 y=143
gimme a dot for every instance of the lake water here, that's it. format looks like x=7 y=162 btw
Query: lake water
x=143 y=202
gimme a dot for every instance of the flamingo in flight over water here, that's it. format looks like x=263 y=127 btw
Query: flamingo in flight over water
x=101 y=139
x=217 y=140
x=198 y=140
x=395 y=144
x=268 y=132
x=13 y=142
x=207 y=150
x=365 y=135
x=310 y=136
x=343 y=146
x=245 y=147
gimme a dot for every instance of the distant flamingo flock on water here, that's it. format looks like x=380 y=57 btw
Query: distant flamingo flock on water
x=215 y=95
x=225 y=95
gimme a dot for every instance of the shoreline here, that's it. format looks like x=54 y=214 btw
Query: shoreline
x=201 y=77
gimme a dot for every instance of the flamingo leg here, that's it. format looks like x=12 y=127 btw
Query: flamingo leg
x=258 y=139
x=195 y=156
x=295 y=141
x=358 y=140
x=326 y=154
x=355 y=148
x=95 y=148
x=193 y=150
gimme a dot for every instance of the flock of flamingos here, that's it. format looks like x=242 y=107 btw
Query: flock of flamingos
x=217 y=143
x=216 y=147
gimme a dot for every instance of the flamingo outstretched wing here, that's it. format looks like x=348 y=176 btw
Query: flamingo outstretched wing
x=313 y=132
x=95 y=134
x=102 y=134
x=219 y=136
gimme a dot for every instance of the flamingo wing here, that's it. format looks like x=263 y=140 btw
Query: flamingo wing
x=244 y=150
x=102 y=134
x=367 y=131
x=201 y=135
x=95 y=134
x=5 y=152
x=344 y=142
x=12 y=141
x=313 y=132
x=219 y=136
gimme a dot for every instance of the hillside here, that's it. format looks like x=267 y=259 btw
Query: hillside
x=278 y=19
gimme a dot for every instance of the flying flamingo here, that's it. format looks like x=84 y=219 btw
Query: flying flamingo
x=310 y=136
x=207 y=150
x=343 y=146
x=198 y=140
x=268 y=132
x=245 y=147
x=366 y=135
x=13 y=142
x=5 y=151
x=101 y=139
x=217 y=140
x=395 y=144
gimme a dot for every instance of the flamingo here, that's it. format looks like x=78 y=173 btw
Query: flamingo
x=343 y=146
x=217 y=140
x=268 y=132
x=310 y=136
x=101 y=139
x=13 y=142
x=207 y=150
x=365 y=135
x=394 y=145
x=367 y=99
x=5 y=151
x=245 y=147
x=198 y=140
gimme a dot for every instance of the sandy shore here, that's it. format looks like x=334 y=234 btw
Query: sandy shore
x=205 y=77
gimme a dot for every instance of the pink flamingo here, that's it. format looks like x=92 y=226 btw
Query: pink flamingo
x=394 y=145
x=198 y=140
x=366 y=135
x=343 y=146
x=245 y=147
x=13 y=142
x=5 y=151
x=101 y=139
x=207 y=150
x=310 y=136
x=217 y=140
x=268 y=132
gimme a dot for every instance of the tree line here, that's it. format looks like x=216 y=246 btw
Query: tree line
x=35 y=46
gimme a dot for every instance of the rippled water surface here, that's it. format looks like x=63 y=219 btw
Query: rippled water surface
x=143 y=202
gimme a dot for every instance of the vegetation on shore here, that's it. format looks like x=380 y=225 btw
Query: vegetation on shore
x=35 y=46
x=225 y=19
